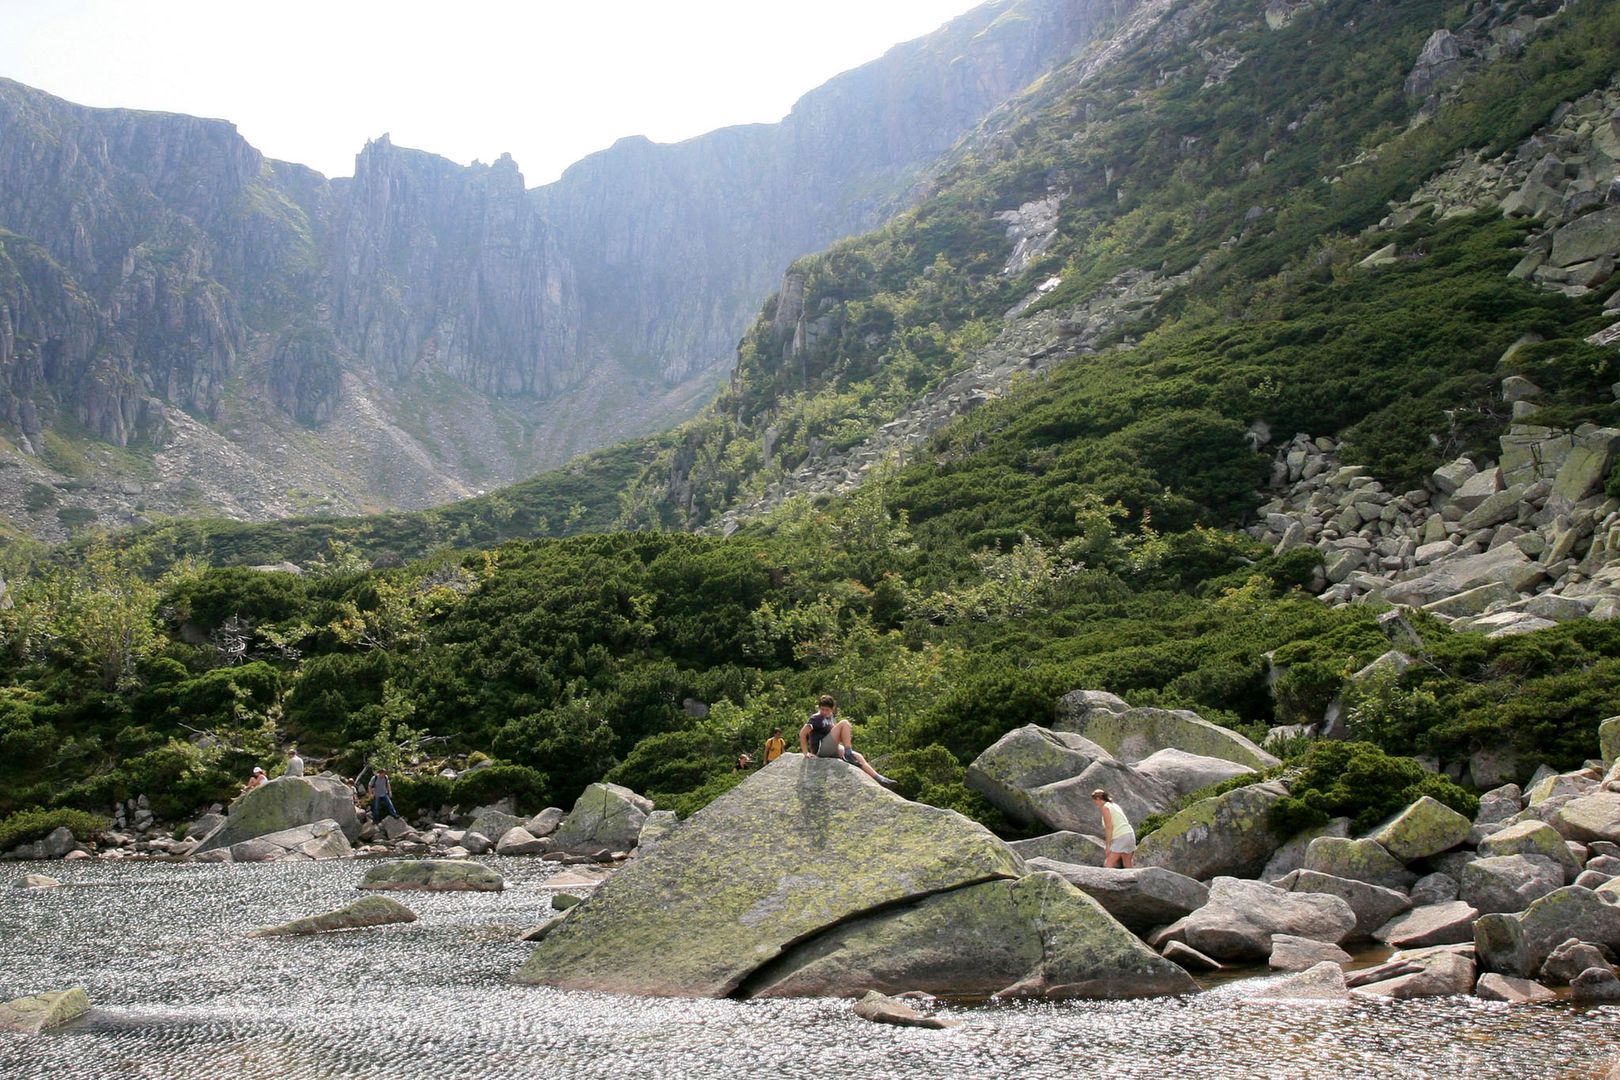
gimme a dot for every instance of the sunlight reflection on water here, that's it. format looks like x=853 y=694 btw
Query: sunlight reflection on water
x=181 y=994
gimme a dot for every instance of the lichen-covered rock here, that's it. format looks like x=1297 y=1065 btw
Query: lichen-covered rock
x=1438 y=924
x=1425 y=828
x=433 y=875
x=367 y=911
x=604 y=816
x=802 y=845
x=1373 y=905
x=1064 y=846
x=1037 y=936
x=1136 y=734
x=1141 y=898
x=1226 y=835
x=31 y=1015
x=1531 y=838
x=287 y=802
x=1594 y=816
x=1242 y=917
x=1509 y=882
x=1359 y=860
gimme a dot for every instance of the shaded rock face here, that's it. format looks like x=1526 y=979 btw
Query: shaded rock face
x=797 y=849
x=286 y=802
x=1035 y=936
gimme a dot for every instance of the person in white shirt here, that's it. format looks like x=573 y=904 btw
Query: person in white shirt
x=295 y=764
x=1119 y=839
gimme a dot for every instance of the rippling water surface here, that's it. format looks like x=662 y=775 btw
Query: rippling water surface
x=181 y=994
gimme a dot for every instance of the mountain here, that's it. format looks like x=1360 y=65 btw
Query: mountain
x=192 y=328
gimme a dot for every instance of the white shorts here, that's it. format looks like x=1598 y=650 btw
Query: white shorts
x=1123 y=845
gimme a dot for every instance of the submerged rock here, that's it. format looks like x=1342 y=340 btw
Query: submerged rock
x=31 y=1015
x=433 y=875
x=367 y=911
x=797 y=849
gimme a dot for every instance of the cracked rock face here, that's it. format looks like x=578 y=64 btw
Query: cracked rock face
x=800 y=848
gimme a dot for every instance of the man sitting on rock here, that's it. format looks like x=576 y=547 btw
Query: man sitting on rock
x=824 y=735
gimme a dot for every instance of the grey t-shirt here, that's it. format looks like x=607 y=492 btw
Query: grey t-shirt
x=295 y=766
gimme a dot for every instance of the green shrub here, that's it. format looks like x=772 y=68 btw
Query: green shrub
x=26 y=826
x=525 y=786
x=1359 y=781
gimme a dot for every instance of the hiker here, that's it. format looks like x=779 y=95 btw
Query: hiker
x=775 y=745
x=1119 y=839
x=295 y=764
x=256 y=779
x=824 y=735
x=380 y=796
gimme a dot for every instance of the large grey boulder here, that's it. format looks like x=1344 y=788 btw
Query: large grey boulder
x=604 y=816
x=1136 y=734
x=797 y=849
x=1373 y=905
x=1037 y=936
x=1183 y=773
x=1226 y=835
x=367 y=911
x=1064 y=846
x=1438 y=924
x=1360 y=860
x=1242 y=917
x=286 y=802
x=306 y=843
x=1140 y=898
x=1509 y=882
x=1025 y=760
x=1425 y=828
x=1506 y=564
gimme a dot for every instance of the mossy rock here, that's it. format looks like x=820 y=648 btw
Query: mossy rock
x=31 y=1015
x=1425 y=828
x=1037 y=936
x=1224 y=835
x=367 y=911
x=799 y=847
x=433 y=875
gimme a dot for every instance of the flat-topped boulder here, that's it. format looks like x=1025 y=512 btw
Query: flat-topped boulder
x=1036 y=936
x=367 y=911
x=604 y=816
x=1141 y=898
x=287 y=802
x=1242 y=917
x=40 y=1012
x=433 y=875
x=1136 y=734
x=1228 y=834
x=797 y=849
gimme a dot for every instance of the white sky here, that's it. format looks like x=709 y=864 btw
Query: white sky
x=547 y=80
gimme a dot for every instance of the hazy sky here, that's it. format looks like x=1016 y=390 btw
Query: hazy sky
x=546 y=80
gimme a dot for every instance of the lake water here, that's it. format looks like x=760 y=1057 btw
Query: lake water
x=181 y=994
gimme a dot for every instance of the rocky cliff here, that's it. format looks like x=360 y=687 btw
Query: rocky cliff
x=269 y=341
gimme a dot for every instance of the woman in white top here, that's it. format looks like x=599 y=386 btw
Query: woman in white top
x=1119 y=839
